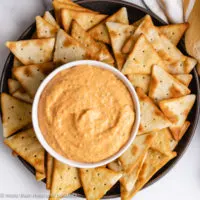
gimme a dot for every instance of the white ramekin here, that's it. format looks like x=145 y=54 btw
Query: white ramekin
x=42 y=140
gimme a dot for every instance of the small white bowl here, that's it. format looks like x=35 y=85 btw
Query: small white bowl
x=42 y=140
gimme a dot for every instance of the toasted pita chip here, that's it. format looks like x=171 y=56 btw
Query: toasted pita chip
x=184 y=78
x=140 y=80
x=138 y=22
x=119 y=33
x=68 y=49
x=16 y=62
x=161 y=142
x=142 y=58
x=50 y=19
x=65 y=180
x=44 y=29
x=86 y=19
x=174 y=32
x=115 y=166
x=136 y=151
x=40 y=176
x=26 y=145
x=177 y=110
x=165 y=86
x=31 y=76
x=97 y=181
x=96 y=49
x=13 y=85
x=100 y=31
x=49 y=170
x=153 y=162
x=152 y=120
x=58 y=6
x=15 y=114
x=33 y=51
x=22 y=95
x=127 y=182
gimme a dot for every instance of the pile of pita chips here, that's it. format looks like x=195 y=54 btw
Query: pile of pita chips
x=145 y=53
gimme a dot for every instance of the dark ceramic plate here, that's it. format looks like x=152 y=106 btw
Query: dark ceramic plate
x=135 y=13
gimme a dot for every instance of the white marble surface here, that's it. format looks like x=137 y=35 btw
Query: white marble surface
x=183 y=182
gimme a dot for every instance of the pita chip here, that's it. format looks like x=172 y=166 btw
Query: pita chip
x=31 y=76
x=16 y=62
x=184 y=78
x=33 y=51
x=164 y=86
x=97 y=181
x=96 y=49
x=50 y=19
x=152 y=120
x=44 y=29
x=60 y=5
x=177 y=110
x=65 y=180
x=136 y=151
x=49 y=171
x=16 y=114
x=153 y=162
x=115 y=166
x=174 y=32
x=86 y=19
x=100 y=32
x=140 y=80
x=142 y=58
x=22 y=95
x=13 y=85
x=119 y=33
x=68 y=49
x=161 y=142
x=128 y=181
x=40 y=176
x=26 y=145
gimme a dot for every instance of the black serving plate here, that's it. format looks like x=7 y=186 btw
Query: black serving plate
x=134 y=12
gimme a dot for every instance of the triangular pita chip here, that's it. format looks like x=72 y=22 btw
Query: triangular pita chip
x=68 y=49
x=174 y=32
x=86 y=19
x=16 y=114
x=184 y=78
x=142 y=58
x=13 y=85
x=153 y=162
x=119 y=33
x=26 y=145
x=44 y=29
x=177 y=110
x=16 y=62
x=161 y=142
x=40 y=176
x=50 y=19
x=49 y=170
x=31 y=76
x=136 y=151
x=127 y=182
x=164 y=86
x=115 y=166
x=97 y=181
x=65 y=180
x=33 y=51
x=138 y=22
x=96 y=49
x=152 y=120
x=58 y=6
x=140 y=80
x=22 y=95
x=100 y=31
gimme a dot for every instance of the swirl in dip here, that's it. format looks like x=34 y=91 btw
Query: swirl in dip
x=86 y=113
